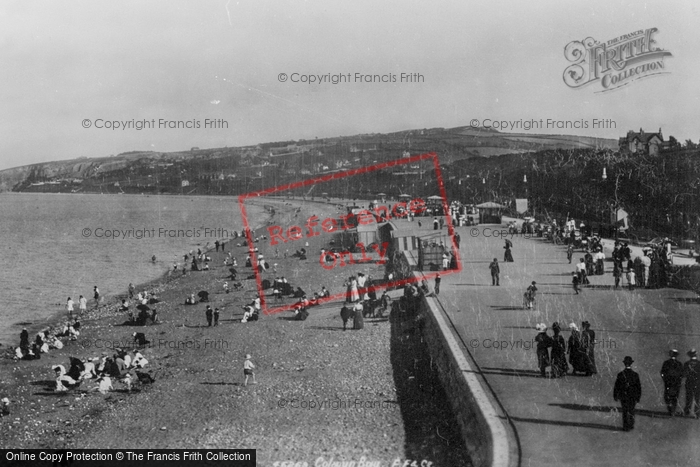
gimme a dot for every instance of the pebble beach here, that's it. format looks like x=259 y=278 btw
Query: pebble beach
x=321 y=392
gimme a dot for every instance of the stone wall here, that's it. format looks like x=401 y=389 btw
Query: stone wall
x=485 y=433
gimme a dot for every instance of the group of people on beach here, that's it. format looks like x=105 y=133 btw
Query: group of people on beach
x=121 y=366
x=46 y=340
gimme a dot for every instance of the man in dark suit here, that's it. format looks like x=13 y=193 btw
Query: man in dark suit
x=691 y=373
x=672 y=374
x=628 y=390
x=495 y=271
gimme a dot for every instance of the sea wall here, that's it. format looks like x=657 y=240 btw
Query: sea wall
x=485 y=434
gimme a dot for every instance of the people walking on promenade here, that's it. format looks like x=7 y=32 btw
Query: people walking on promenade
x=588 y=260
x=631 y=278
x=628 y=391
x=530 y=295
x=672 y=376
x=559 y=365
x=438 y=279
x=544 y=343
x=691 y=373
x=577 y=354
x=495 y=271
x=599 y=259
x=575 y=281
x=588 y=345
x=581 y=271
x=570 y=252
x=617 y=273
x=508 y=256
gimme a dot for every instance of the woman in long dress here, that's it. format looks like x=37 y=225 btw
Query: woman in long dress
x=358 y=319
x=354 y=295
x=559 y=365
x=577 y=356
x=508 y=256
x=544 y=342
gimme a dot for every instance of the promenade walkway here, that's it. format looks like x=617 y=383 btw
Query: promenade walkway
x=573 y=420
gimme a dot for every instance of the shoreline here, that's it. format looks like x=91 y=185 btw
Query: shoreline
x=198 y=401
x=109 y=304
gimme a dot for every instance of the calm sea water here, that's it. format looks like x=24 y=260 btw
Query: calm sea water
x=49 y=256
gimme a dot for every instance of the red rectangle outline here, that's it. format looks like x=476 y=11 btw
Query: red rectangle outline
x=337 y=176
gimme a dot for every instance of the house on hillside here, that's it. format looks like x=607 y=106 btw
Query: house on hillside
x=643 y=143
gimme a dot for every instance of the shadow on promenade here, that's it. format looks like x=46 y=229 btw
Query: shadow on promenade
x=432 y=430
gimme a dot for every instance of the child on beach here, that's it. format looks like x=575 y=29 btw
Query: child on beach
x=248 y=369
x=69 y=307
x=82 y=303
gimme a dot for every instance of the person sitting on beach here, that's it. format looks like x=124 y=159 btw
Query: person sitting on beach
x=140 y=339
x=142 y=318
x=247 y=314
x=124 y=355
x=55 y=343
x=89 y=370
x=139 y=361
x=203 y=296
x=301 y=312
x=124 y=306
x=154 y=316
x=313 y=301
x=190 y=300
x=120 y=363
x=63 y=381
x=104 y=384
x=205 y=267
x=72 y=333
x=324 y=292
x=20 y=354
x=225 y=287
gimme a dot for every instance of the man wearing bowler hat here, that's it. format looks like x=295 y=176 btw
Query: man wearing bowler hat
x=691 y=373
x=672 y=374
x=628 y=390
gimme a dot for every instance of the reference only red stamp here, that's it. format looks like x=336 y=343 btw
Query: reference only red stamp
x=341 y=218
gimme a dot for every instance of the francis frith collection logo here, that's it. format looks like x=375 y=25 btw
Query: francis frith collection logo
x=615 y=63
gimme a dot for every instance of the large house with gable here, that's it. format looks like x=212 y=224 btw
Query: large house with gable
x=643 y=143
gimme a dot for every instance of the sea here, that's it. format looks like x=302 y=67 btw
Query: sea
x=62 y=245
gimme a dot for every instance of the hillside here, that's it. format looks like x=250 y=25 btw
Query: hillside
x=242 y=169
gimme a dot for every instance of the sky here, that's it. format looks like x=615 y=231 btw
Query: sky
x=64 y=63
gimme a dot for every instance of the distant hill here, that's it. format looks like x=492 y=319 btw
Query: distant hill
x=241 y=169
